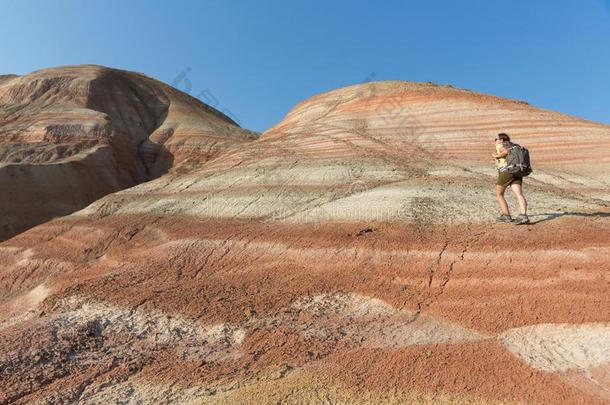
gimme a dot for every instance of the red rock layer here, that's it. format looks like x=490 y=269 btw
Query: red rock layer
x=330 y=303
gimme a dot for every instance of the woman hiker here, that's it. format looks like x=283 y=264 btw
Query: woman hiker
x=505 y=180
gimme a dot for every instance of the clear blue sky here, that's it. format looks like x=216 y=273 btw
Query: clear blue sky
x=257 y=59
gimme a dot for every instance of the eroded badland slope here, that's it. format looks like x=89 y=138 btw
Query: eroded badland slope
x=71 y=135
x=348 y=255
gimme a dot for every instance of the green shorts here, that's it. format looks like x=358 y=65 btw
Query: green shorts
x=505 y=179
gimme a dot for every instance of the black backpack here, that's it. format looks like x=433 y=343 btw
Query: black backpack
x=518 y=161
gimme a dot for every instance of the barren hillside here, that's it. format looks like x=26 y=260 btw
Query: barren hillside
x=71 y=135
x=348 y=255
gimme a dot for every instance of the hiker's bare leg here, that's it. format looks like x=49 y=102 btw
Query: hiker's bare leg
x=501 y=199
x=518 y=190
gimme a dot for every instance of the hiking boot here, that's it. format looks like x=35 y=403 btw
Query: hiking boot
x=504 y=218
x=521 y=219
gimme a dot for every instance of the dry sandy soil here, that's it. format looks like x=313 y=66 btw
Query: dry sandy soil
x=347 y=255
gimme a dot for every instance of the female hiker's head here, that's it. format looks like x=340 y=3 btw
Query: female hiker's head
x=502 y=137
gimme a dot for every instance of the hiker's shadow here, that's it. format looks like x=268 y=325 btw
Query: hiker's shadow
x=549 y=217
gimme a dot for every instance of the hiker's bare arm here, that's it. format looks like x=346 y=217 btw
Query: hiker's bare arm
x=502 y=153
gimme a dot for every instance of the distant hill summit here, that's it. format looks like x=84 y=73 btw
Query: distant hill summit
x=459 y=122
x=72 y=134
